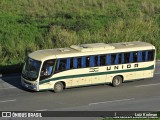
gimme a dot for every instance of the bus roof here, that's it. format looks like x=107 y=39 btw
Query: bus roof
x=89 y=49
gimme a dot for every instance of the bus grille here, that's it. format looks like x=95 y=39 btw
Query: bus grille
x=27 y=83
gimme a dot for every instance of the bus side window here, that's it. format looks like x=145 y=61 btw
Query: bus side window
x=92 y=61
x=62 y=65
x=71 y=63
x=146 y=55
x=47 y=68
x=83 y=62
x=140 y=56
x=131 y=57
x=97 y=60
x=120 y=58
x=75 y=63
x=57 y=65
x=143 y=56
x=126 y=57
x=115 y=59
x=87 y=61
x=136 y=56
x=68 y=64
x=151 y=55
x=102 y=60
x=108 y=59
x=79 y=62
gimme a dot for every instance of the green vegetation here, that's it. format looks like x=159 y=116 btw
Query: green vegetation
x=29 y=25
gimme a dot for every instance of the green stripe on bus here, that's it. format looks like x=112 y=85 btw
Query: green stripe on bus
x=95 y=74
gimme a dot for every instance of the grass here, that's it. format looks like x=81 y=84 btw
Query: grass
x=29 y=25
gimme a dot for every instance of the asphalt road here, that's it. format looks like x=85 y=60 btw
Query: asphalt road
x=139 y=95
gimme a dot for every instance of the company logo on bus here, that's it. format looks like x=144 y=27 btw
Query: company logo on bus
x=119 y=67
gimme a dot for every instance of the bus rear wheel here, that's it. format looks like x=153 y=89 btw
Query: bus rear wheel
x=117 y=80
x=58 y=87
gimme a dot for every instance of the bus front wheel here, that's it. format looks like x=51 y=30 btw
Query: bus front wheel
x=58 y=87
x=117 y=80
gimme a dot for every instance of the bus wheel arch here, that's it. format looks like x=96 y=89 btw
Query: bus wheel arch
x=59 y=86
x=64 y=84
x=117 y=80
x=122 y=78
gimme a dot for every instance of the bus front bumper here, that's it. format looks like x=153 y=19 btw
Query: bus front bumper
x=29 y=85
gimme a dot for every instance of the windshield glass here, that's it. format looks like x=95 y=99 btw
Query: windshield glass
x=31 y=69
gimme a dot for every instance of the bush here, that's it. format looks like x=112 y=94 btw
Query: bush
x=29 y=25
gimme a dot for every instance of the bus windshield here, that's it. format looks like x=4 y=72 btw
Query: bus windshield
x=31 y=69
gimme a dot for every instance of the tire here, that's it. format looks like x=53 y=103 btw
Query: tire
x=58 y=87
x=117 y=80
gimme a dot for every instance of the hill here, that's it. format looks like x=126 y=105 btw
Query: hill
x=29 y=25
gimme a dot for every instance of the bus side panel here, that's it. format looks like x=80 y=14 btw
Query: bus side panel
x=86 y=76
x=44 y=86
x=147 y=71
x=98 y=79
x=145 y=74
x=138 y=75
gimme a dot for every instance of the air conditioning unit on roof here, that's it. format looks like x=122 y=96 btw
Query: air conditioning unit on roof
x=92 y=47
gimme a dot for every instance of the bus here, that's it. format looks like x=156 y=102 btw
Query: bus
x=88 y=64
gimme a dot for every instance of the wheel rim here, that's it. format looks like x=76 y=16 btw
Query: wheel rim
x=58 y=87
x=117 y=81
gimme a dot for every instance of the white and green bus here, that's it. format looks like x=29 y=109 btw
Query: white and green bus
x=88 y=64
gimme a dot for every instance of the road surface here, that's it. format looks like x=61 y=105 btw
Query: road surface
x=139 y=95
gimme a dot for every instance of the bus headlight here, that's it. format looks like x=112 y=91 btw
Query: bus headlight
x=35 y=84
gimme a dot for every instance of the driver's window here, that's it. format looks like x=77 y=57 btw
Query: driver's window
x=47 y=69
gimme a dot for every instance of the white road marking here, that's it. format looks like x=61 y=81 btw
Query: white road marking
x=111 y=101
x=148 y=85
x=8 y=88
x=8 y=101
x=42 y=110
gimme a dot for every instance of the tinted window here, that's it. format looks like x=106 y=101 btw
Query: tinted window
x=102 y=60
x=120 y=58
x=135 y=57
x=97 y=60
x=151 y=55
x=92 y=61
x=126 y=57
x=62 y=65
x=47 y=69
x=71 y=63
x=113 y=59
x=108 y=59
x=83 y=62
x=79 y=62
x=144 y=56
